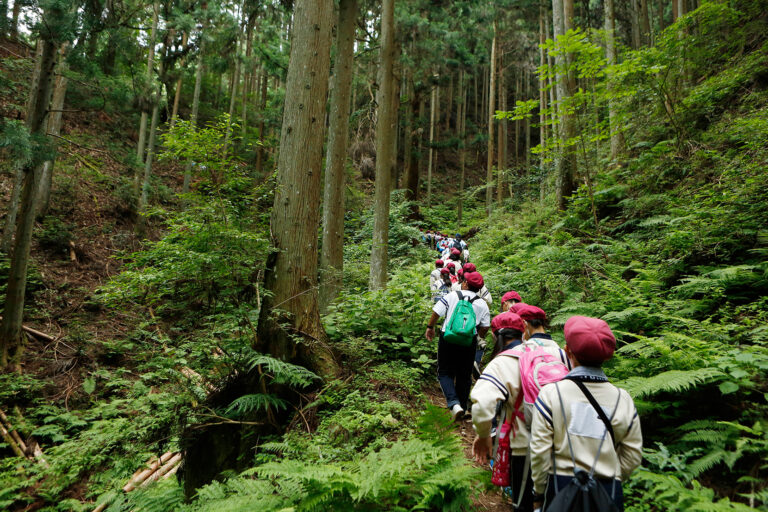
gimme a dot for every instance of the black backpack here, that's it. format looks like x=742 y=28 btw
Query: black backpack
x=584 y=493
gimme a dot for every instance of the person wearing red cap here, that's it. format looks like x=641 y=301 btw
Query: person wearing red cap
x=469 y=267
x=534 y=320
x=500 y=383
x=454 y=362
x=577 y=435
x=508 y=299
x=434 y=278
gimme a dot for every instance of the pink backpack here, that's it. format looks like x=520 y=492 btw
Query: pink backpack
x=538 y=367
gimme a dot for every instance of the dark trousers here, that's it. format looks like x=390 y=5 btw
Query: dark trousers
x=517 y=465
x=611 y=486
x=454 y=371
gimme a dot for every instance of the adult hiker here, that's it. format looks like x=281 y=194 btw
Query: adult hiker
x=501 y=383
x=467 y=319
x=434 y=278
x=588 y=426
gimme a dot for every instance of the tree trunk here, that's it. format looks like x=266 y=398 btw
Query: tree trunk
x=542 y=83
x=432 y=111
x=148 y=86
x=144 y=197
x=385 y=134
x=617 y=139
x=13 y=30
x=502 y=135
x=195 y=105
x=449 y=100
x=491 y=110
x=11 y=335
x=634 y=23
x=461 y=120
x=177 y=96
x=13 y=212
x=247 y=75
x=660 y=15
x=54 y=128
x=262 y=112
x=332 y=256
x=562 y=21
x=645 y=23
x=235 y=85
x=527 y=78
x=291 y=306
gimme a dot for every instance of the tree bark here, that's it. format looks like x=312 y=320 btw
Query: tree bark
x=527 y=78
x=179 y=82
x=432 y=122
x=562 y=21
x=13 y=30
x=247 y=75
x=617 y=139
x=11 y=335
x=385 y=133
x=291 y=307
x=645 y=23
x=262 y=115
x=491 y=109
x=634 y=23
x=148 y=86
x=501 y=139
x=235 y=85
x=332 y=255
x=54 y=128
x=195 y=105
x=542 y=83
x=461 y=120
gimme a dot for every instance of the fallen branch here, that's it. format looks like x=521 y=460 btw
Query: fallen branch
x=31 y=451
x=34 y=332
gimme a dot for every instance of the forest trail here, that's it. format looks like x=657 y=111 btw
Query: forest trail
x=488 y=499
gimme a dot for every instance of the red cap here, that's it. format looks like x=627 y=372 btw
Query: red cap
x=469 y=267
x=474 y=279
x=450 y=265
x=507 y=320
x=460 y=272
x=445 y=271
x=455 y=252
x=511 y=295
x=528 y=312
x=439 y=263
x=590 y=339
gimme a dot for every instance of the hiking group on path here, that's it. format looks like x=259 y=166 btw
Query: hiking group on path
x=558 y=435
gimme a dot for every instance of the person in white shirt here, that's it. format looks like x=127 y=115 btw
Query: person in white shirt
x=568 y=433
x=434 y=278
x=454 y=362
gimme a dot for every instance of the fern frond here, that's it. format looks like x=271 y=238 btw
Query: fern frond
x=673 y=380
x=258 y=401
x=706 y=462
x=283 y=372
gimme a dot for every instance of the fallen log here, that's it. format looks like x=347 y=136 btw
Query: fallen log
x=34 y=332
x=142 y=475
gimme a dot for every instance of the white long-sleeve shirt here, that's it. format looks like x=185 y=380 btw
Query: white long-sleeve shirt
x=500 y=381
x=548 y=432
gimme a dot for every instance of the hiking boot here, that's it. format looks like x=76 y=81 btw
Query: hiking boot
x=457 y=413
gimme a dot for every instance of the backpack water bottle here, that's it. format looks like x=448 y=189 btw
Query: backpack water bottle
x=501 y=461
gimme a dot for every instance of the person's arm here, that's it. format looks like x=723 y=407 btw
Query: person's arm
x=430 y=334
x=482 y=331
x=490 y=389
x=542 y=441
x=630 y=449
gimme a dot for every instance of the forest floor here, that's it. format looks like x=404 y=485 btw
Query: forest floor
x=488 y=499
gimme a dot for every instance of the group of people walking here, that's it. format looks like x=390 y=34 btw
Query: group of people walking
x=547 y=418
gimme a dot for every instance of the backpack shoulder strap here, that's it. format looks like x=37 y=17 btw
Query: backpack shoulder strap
x=461 y=297
x=596 y=406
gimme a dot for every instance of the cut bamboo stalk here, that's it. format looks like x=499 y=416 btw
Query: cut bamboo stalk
x=154 y=463
x=162 y=470
x=36 y=333
x=11 y=442
x=12 y=431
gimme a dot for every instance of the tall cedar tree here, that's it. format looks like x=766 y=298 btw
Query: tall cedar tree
x=332 y=256
x=385 y=135
x=291 y=306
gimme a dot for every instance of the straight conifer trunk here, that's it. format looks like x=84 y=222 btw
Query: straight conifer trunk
x=150 y=65
x=617 y=139
x=432 y=112
x=332 y=256
x=462 y=122
x=291 y=306
x=179 y=82
x=195 y=105
x=562 y=21
x=11 y=336
x=502 y=135
x=491 y=107
x=385 y=135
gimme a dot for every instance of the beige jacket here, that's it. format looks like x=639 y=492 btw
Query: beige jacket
x=500 y=381
x=548 y=432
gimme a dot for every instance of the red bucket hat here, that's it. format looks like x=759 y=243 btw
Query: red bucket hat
x=439 y=263
x=590 y=339
x=445 y=270
x=455 y=252
x=507 y=320
x=469 y=267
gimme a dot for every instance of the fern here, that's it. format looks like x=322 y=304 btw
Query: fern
x=282 y=372
x=259 y=401
x=672 y=381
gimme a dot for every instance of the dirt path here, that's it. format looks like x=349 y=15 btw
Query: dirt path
x=488 y=500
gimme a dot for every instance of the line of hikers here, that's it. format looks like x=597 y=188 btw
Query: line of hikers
x=560 y=435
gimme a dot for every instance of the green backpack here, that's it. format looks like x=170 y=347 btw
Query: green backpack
x=460 y=329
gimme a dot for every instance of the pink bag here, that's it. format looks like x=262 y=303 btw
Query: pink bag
x=501 y=468
x=538 y=367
